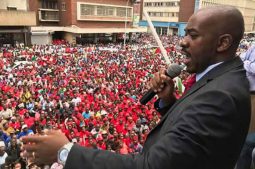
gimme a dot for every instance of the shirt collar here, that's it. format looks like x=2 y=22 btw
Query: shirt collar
x=200 y=75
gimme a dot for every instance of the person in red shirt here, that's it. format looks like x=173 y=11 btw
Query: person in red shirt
x=14 y=123
x=28 y=120
x=120 y=126
x=90 y=142
x=123 y=148
x=100 y=143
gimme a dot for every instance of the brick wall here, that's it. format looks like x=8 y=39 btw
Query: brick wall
x=69 y=16
x=186 y=10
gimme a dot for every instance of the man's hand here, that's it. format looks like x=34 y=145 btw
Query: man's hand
x=44 y=148
x=163 y=86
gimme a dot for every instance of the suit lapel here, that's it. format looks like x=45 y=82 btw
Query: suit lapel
x=212 y=74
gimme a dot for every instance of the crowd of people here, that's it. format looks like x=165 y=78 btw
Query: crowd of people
x=91 y=93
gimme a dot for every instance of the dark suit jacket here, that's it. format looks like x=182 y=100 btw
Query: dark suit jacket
x=205 y=129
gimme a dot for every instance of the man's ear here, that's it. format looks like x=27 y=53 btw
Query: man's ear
x=224 y=42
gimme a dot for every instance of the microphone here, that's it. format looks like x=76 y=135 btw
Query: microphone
x=173 y=71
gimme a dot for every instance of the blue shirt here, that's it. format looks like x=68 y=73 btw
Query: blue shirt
x=86 y=115
x=248 y=59
x=200 y=75
x=23 y=133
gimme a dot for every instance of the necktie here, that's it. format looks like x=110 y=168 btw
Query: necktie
x=189 y=82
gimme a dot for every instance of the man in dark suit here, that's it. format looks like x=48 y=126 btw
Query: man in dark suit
x=204 y=129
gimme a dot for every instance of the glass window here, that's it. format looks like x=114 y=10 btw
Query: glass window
x=148 y=4
x=109 y=11
x=164 y=31
x=87 y=9
x=49 y=4
x=63 y=6
x=158 y=30
x=121 y=12
x=50 y=15
x=105 y=11
x=99 y=10
x=9 y=8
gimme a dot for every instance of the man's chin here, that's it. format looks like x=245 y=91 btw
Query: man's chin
x=190 y=70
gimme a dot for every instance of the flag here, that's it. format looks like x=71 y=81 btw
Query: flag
x=179 y=85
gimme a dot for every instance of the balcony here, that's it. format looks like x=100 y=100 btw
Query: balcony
x=49 y=15
x=17 y=18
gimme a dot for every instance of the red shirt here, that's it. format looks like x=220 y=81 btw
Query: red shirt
x=29 y=121
x=15 y=125
x=102 y=146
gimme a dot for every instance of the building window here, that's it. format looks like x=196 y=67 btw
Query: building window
x=49 y=4
x=63 y=6
x=156 y=14
x=172 y=4
x=105 y=11
x=158 y=4
x=164 y=14
x=164 y=31
x=122 y=12
x=11 y=8
x=109 y=11
x=148 y=4
x=87 y=9
x=49 y=15
x=158 y=30
x=100 y=11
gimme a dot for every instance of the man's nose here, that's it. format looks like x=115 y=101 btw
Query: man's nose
x=183 y=43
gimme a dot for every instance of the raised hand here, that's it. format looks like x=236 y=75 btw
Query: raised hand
x=44 y=148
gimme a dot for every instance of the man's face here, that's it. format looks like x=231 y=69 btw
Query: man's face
x=2 y=151
x=25 y=129
x=104 y=136
x=26 y=115
x=199 y=44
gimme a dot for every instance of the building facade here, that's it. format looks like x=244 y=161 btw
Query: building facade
x=247 y=8
x=82 y=21
x=168 y=16
x=171 y=16
x=15 y=22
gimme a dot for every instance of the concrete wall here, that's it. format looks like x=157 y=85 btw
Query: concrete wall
x=17 y=18
x=164 y=9
x=19 y=4
x=247 y=7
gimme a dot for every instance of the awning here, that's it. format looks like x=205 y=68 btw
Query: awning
x=105 y=30
x=249 y=32
x=13 y=30
x=77 y=30
x=40 y=33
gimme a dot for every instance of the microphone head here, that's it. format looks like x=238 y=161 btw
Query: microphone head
x=174 y=70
